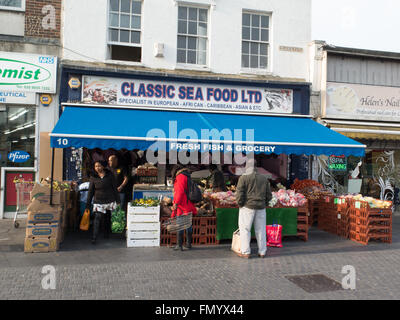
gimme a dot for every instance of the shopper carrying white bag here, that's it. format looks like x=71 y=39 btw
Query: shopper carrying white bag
x=236 y=241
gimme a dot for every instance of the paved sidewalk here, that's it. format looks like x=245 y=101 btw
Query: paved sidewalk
x=109 y=270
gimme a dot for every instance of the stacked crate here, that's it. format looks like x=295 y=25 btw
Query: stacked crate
x=143 y=226
x=314 y=209
x=327 y=216
x=204 y=232
x=302 y=222
x=343 y=215
x=368 y=223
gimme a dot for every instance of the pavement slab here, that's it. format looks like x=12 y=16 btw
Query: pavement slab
x=110 y=271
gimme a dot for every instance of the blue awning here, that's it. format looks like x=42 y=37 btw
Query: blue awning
x=113 y=128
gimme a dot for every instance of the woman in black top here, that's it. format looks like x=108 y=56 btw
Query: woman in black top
x=103 y=191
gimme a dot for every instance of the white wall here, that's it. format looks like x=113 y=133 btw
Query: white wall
x=85 y=33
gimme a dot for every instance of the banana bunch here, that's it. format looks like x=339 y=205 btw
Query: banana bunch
x=57 y=185
x=145 y=203
x=21 y=180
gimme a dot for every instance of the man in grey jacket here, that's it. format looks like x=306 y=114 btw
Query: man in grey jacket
x=253 y=193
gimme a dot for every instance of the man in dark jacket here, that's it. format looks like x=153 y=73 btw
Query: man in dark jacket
x=253 y=193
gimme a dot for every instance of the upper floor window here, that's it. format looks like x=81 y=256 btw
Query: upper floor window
x=192 y=35
x=255 y=40
x=125 y=29
x=12 y=5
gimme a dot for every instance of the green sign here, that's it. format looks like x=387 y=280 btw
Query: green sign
x=338 y=163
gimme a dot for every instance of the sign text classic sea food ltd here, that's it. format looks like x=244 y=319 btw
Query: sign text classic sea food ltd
x=186 y=96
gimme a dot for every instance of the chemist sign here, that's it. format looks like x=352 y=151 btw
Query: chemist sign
x=338 y=163
x=28 y=72
x=186 y=96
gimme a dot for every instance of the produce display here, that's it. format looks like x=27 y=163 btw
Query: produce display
x=302 y=184
x=147 y=170
x=288 y=198
x=145 y=202
x=118 y=220
x=205 y=208
x=372 y=202
x=315 y=193
x=222 y=199
x=166 y=207
x=57 y=185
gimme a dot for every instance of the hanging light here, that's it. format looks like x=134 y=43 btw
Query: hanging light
x=18 y=115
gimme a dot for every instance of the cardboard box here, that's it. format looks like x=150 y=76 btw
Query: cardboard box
x=43 y=230
x=36 y=205
x=50 y=215
x=42 y=194
x=41 y=245
x=45 y=158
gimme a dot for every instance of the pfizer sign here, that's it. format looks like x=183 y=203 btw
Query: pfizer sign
x=19 y=156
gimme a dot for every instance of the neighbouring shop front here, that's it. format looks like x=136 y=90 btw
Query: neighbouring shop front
x=25 y=81
x=369 y=114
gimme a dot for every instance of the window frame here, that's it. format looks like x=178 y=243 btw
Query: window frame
x=18 y=9
x=186 y=65
x=109 y=27
x=258 y=70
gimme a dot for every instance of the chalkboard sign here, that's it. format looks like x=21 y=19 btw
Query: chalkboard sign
x=338 y=163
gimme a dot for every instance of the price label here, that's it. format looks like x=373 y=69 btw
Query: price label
x=358 y=205
x=339 y=216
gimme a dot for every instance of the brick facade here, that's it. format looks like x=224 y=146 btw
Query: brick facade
x=34 y=17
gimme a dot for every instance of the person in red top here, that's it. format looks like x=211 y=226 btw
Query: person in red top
x=181 y=203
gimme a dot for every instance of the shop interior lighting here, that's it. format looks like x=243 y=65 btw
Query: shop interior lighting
x=32 y=137
x=24 y=138
x=18 y=115
x=20 y=128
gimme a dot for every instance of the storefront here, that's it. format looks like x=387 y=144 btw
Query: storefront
x=25 y=81
x=361 y=99
x=157 y=122
x=173 y=106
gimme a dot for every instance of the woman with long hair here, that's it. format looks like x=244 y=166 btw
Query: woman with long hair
x=103 y=191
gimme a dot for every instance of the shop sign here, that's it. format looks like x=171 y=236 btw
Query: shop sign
x=18 y=156
x=46 y=99
x=17 y=97
x=185 y=96
x=338 y=163
x=28 y=72
x=362 y=102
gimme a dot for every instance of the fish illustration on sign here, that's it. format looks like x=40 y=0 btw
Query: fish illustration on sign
x=279 y=99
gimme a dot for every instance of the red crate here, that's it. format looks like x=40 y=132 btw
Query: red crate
x=204 y=221
x=365 y=238
x=204 y=240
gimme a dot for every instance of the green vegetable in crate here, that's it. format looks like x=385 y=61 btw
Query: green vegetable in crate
x=118 y=220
